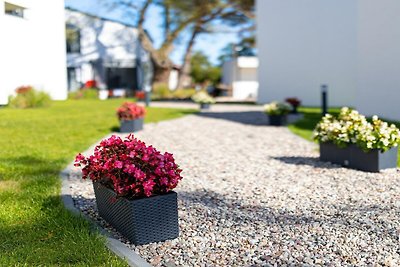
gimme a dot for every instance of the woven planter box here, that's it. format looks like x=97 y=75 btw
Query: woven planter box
x=204 y=106
x=355 y=158
x=131 y=125
x=141 y=221
x=277 y=120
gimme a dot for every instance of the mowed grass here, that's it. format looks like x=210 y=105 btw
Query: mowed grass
x=35 y=144
x=312 y=116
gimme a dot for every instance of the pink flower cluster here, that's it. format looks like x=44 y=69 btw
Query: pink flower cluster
x=130 y=111
x=130 y=168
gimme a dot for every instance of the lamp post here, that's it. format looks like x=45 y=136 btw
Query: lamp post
x=324 y=92
x=147 y=90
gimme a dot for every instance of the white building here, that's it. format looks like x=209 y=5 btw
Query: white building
x=353 y=46
x=32 y=47
x=106 y=51
x=240 y=75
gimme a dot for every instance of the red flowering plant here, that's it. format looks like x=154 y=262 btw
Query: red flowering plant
x=130 y=168
x=140 y=95
x=130 y=111
x=23 y=89
x=295 y=102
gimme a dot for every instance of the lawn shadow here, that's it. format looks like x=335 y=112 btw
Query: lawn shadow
x=32 y=166
x=114 y=129
x=255 y=118
x=310 y=161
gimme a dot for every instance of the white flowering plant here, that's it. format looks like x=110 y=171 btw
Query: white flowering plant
x=203 y=97
x=350 y=127
x=277 y=108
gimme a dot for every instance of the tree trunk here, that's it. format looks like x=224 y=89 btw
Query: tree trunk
x=185 y=79
x=161 y=74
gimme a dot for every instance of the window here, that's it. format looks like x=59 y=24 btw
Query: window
x=73 y=35
x=14 y=10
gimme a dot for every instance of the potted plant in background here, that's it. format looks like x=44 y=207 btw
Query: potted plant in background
x=131 y=117
x=133 y=186
x=277 y=113
x=204 y=99
x=352 y=141
x=294 y=102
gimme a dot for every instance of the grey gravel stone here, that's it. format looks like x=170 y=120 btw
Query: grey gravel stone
x=254 y=195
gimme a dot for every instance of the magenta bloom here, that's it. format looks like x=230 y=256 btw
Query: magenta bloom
x=130 y=168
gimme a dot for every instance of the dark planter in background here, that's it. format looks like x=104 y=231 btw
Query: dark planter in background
x=294 y=110
x=141 y=221
x=131 y=126
x=204 y=106
x=277 y=120
x=355 y=158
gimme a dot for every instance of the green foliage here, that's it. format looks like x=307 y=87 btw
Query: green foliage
x=312 y=115
x=202 y=97
x=30 y=99
x=161 y=91
x=86 y=93
x=35 y=229
x=351 y=127
x=203 y=71
x=277 y=108
x=183 y=93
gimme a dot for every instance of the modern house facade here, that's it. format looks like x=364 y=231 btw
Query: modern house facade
x=32 y=47
x=352 y=46
x=105 y=51
x=239 y=74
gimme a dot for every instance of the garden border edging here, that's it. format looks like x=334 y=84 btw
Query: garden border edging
x=116 y=246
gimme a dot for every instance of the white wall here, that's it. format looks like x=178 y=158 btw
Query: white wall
x=173 y=79
x=241 y=74
x=303 y=44
x=32 y=49
x=379 y=58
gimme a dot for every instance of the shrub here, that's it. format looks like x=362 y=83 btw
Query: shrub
x=202 y=97
x=130 y=111
x=183 y=93
x=130 y=168
x=85 y=93
x=28 y=97
x=350 y=127
x=277 y=108
x=161 y=91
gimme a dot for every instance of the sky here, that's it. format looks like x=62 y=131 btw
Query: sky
x=209 y=44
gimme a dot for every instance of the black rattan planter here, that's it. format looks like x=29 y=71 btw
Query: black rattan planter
x=204 y=106
x=277 y=120
x=353 y=157
x=141 y=221
x=131 y=126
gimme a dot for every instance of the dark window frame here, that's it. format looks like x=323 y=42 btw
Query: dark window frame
x=73 y=45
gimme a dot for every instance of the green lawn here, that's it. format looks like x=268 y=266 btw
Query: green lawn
x=35 y=144
x=312 y=116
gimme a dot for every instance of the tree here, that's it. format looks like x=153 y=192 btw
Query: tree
x=179 y=16
x=232 y=12
x=202 y=71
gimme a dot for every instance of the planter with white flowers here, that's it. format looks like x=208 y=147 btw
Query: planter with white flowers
x=277 y=113
x=133 y=186
x=204 y=99
x=131 y=117
x=352 y=141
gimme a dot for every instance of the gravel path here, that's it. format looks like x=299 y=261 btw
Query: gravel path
x=254 y=195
